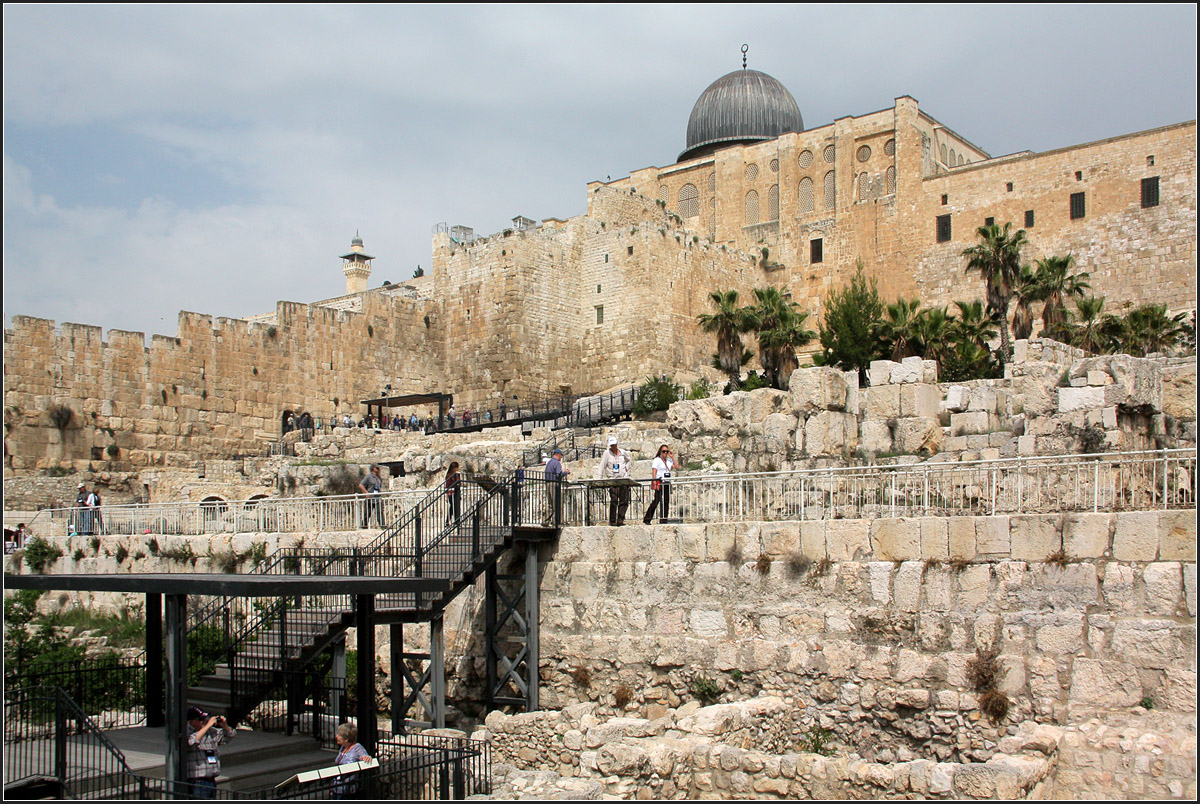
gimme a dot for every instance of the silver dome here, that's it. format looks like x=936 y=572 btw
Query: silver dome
x=742 y=107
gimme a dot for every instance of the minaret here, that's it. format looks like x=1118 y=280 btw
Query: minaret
x=356 y=266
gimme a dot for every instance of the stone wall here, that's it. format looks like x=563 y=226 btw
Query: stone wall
x=745 y=750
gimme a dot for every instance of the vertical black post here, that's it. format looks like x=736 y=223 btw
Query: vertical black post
x=531 y=627
x=154 y=660
x=437 y=672
x=338 y=694
x=558 y=504
x=460 y=782
x=489 y=608
x=417 y=557
x=475 y=536
x=176 y=731
x=60 y=739
x=397 y=653
x=364 y=622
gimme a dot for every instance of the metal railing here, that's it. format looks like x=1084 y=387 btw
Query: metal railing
x=112 y=689
x=260 y=515
x=48 y=738
x=1129 y=481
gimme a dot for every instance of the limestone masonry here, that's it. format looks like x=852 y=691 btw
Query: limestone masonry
x=612 y=295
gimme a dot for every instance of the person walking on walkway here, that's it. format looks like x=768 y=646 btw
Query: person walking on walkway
x=615 y=466
x=453 y=485
x=372 y=486
x=555 y=475
x=660 y=482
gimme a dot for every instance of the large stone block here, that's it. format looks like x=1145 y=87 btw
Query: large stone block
x=880 y=372
x=1150 y=643
x=1164 y=585
x=973 y=422
x=1086 y=535
x=1136 y=536
x=962 y=537
x=896 y=539
x=992 y=536
x=881 y=402
x=918 y=436
x=848 y=539
x=1104 y=683
x=935 y=538
x=812 y=540
x=1085 y=398
x=958 y=397
x=1177 y=535
x=852 y=392
x=1179 y=392
x=910 y=369
x=817 y=388
x=920 y=399
x=875 y=436
x=1033 y=538
x=831 y=433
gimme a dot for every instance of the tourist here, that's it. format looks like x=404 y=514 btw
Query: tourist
x=503 y=410
x=97 y=520
x=453 y=485
x=451 y=416
x=350 y=751
x=20 y=535
x=203 y=750
x=487 y=416
x=414 y=422
x=615 y=466
x=555 y=474
x=371 y=485
x=660 y=483
x=347 y=421
x=467 y=417
x=78 y=515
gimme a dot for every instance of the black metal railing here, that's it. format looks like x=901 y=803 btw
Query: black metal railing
x=114 y=687
x=49 y=741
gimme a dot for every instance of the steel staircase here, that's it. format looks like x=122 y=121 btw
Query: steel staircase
x=441 y=538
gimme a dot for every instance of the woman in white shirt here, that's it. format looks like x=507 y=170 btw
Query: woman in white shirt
x=660 y=473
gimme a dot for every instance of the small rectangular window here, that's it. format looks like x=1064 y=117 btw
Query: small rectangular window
x=599 y=313
x=943 y=228
x=816 y=250
x=1009 y=186
x=606 y=258
x=631 y=251
x=1079 y=175
x=1150 y=160
x=1078 y=206
x=945 y=199
x=1029 y=219
x=989 y=221
x=1150 y=192
x=597 y=288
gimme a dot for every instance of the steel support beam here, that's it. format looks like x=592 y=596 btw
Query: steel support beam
x=364 y=622
x=154 y=661
x=176 y=698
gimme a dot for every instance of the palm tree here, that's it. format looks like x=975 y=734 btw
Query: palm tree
x=1150 y=329
x=934 y=334
x=780 y=325
x=973 y=325
x=898 y=328
x=728 y=323
x=1026 y=290
x=1092 y=330
x=1057 y=283
x=997 y=257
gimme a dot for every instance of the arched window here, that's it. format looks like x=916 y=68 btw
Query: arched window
x=751 y=208
x=953 y=158
x=945 y=159
x=773 y=203
x=890 y=178
x=862 y=186
x=806 y=195
x=830 y=190
x=664 y=194
x=889 y=148
x=712 y=182
x=689 y=201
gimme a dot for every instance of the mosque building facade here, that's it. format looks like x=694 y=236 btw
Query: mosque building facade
x=612 y=296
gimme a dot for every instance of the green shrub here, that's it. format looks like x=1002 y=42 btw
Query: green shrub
x=705 y=690
x=755 y=381
x=816 y=741
x=656 y=395
x=61 y=416
x=701 y=389
x=39 y=553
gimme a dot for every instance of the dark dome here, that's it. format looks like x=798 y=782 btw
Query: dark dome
x=742 y=107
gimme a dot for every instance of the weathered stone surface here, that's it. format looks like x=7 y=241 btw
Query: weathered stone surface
x=1148 y=643
x=880 y=372
x=1033 y=538
x=1104 y=683
x=1136 y=536
x=1086 y=535
x=875 y=436
x=881 y=402
x=911 y=369
x=1177 y=536
x=831 y=433
x=962 y=537
x=1179 y=392
x=896 y=539
x=992 y=535
x=848 y=539
x=920 y=400
x=817 y=388
x=935 y=538
x=918 y=436
x=1085 y=398
x=957 y=398
x=1164 y=585
x=969 y=423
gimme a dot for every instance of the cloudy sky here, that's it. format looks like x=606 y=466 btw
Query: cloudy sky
x=216 y=159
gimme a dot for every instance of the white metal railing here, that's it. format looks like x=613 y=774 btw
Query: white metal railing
x=1123 y=481
x=1129 y=481
x=261 y=515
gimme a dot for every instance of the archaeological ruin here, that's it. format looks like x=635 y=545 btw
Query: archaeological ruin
x=885 y=585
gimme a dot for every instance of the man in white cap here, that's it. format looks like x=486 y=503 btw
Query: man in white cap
x=614 y=466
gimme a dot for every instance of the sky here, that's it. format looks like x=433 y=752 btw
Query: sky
x=217 y=159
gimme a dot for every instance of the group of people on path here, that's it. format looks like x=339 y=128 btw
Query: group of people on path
x=615 y=465
x=87 y=519
x=207 y=733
